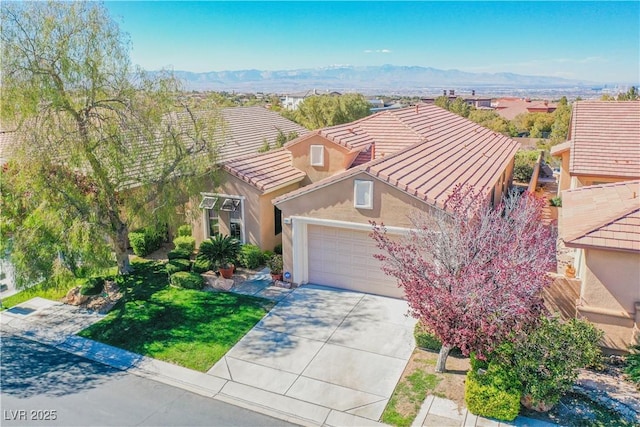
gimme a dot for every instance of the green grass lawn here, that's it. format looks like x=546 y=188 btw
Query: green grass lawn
x=190 y=328
x=45 y=290
x=410 y=392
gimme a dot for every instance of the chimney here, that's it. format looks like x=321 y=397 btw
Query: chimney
x=417 y=108
x=473 y=92
x=452 y=92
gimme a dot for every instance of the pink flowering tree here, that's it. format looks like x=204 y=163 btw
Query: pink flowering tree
x=471 y=273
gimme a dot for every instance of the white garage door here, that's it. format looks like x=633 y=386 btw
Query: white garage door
x=343 y=258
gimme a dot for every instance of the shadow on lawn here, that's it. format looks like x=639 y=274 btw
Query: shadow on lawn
x=153 y=318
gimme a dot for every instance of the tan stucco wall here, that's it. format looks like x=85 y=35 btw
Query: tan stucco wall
x=258 y=213
x=336 y=158
x=390 y=206
x=565 y=179
x=268 y=239
x=609 y=293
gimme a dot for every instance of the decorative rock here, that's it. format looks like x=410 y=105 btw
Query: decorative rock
x=74 y=297
x=209 y=278
x=222 y=283
x=281 y=284
x=528 y=402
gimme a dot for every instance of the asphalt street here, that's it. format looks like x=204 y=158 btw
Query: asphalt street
x=43 y=386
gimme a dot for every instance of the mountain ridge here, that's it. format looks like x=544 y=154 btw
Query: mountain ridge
x=365 y=78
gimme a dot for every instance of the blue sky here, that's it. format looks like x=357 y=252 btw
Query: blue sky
x=591 y=41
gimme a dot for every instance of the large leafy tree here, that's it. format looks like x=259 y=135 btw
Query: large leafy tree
x=471 y=273
x=320 y=111
x=97 y=145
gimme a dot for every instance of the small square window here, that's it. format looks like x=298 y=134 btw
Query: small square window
x=208 y=202
x=230 y=205
x=317 y=155
x=363 y=194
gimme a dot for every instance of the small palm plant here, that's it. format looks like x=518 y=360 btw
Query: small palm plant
x=220 y=250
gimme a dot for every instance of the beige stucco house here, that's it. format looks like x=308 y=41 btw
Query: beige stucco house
x=327 y=186
x=602 y=144
x=232 y=208
x=600 y=217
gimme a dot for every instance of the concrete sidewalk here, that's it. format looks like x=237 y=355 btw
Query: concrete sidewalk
x=56 y=324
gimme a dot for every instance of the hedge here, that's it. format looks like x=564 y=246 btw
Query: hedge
x=187 y=280
x=146 y=240
x=428 y=341
x=184 y=230
x=92 y=286
x=178 y=264
x=200 y=265
x=178 y=254
x=492 y=390
x=250 y=256
x=187 y=243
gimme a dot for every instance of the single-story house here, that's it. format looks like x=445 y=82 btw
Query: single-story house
x=600 y=215
x=329 y=184
x=511 y=107
x=603 y=144
x=603 y=222
x=244 y=132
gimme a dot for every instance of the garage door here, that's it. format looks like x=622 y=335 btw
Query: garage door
x=343 y=258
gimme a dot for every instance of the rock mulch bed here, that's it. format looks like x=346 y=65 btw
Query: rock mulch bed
x=611 y=390
x=101 y=303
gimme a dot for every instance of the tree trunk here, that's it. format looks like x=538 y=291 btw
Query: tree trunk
x=442 y=358
x=121 y=245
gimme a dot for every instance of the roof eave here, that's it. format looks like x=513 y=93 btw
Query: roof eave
x=283 y=185
x=571 y=244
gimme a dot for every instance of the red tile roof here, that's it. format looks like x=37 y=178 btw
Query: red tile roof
x=605 y=139
x=384 y=129
x=450 y=150
x=245 y=129
x=509 y=108
x=267 y=171
x=605 y=216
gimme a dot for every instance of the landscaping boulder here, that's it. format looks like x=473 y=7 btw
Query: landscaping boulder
x=223 y=284
x=74 y=297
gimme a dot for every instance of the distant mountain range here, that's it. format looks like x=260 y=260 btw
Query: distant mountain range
x=367 y=79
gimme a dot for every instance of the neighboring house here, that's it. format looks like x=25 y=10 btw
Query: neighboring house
x=329 y=184
x=375 y=103
x=603 y=223
x=603 y=144
x=293 y=100
x=223 y=209
x=509 y=108
x=601 y=214
x=473 y=100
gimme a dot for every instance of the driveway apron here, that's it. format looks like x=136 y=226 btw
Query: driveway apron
x=338 y=349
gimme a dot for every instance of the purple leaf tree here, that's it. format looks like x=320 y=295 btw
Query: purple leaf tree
x=473 y=273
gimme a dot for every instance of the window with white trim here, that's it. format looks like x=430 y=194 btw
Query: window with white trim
x=208 y=202
x=214 y=222
x=316 y=155
x=362 y=194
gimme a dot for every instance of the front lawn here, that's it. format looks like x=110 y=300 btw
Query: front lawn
x=190 y=328
x=45 y=289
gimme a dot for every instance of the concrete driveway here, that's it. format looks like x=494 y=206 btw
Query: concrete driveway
x=327 y=347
